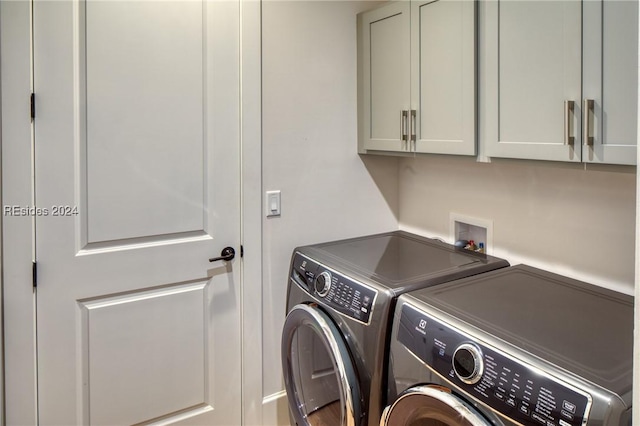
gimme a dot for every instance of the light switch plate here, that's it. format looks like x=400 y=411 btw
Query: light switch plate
x=272 y=203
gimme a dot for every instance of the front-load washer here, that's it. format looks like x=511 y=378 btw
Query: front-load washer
x=339 y=299
x=517 y=346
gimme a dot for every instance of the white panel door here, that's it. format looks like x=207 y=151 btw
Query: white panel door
x=137 y=179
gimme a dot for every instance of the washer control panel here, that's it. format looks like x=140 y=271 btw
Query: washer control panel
x=509 y=386
x=338 y=292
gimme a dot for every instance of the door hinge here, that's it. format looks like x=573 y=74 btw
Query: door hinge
x=241 y=251
x=35 y=274
x=33 y=106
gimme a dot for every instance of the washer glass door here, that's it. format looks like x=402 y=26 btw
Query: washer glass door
x=320 y=379
x=431 y=405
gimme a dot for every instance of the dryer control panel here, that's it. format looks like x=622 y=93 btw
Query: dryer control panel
x=336 y=291
x=509 y=386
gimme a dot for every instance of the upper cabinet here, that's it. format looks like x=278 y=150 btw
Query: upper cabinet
x=559 y=80
x=384 y=93
x=416 y=83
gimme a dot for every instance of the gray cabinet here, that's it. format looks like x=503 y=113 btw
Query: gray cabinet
x=384 y=78
x=417 y=90
x=558 y=80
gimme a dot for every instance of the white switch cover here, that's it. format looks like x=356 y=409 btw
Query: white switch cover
x=273 y=203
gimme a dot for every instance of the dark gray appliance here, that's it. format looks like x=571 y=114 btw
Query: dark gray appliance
x=339 y=299
x=517 y=346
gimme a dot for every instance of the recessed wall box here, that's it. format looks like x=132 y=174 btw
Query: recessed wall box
x=472 y=228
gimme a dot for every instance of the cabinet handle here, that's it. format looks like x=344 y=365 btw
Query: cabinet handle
x=403 y=126
x=587 y=111
x=569 y=137
x=413 y=128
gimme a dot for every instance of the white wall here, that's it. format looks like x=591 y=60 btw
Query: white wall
x=556 y=216
x=309 y=150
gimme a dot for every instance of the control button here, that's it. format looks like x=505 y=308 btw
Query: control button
x=499 y=396
x=566 y=415
x=537 y=417
x=467 y=363
x=563 y=423
x=300 y=277
x=511 y=401
x=323 y=284
x=568 y=406
x=524 y=409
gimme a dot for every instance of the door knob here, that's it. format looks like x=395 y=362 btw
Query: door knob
x=227 y=254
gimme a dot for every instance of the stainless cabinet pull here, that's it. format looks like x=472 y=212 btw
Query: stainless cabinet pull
x=403 y=127
x=569 y=137
x=587 y=131
x=413 y=128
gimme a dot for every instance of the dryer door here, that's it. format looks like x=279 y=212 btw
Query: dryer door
x=320 y=378
x=431 y=405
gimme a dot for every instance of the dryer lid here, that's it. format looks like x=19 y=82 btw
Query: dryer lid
x=582 y=328
x=398 y=259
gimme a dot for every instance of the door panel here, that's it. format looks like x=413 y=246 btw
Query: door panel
x=387 y=61
x=385 y=75
x=620 y=71
x=611 y=79
x=145 y=131
x=443 y=75
x=537 y=68
x=163 y=321
x=441 y=70
x=137 y=128
x=530 y=94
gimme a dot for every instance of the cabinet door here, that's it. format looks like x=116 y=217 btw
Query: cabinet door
x=384 y=78
x=611 y=80
x=531 y=65
x=443 y=69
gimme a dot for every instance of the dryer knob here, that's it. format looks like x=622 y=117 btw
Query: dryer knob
x=468 y=364
x=323 y=283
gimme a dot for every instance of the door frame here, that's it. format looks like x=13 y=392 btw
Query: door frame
x=18 y=305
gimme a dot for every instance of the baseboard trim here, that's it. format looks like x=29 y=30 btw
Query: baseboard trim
x=275 y=409
x=274 y=397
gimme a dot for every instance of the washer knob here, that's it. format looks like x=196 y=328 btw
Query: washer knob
x=323 y=283
x=468 y=364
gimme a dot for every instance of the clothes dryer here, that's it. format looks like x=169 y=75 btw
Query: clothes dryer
x=517 y=346
x=339 y=299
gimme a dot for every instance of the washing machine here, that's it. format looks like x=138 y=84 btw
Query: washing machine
x=517 y=346
x=339 y=300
